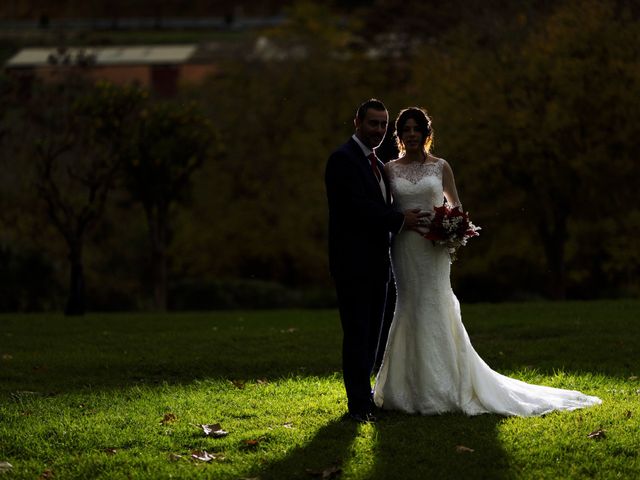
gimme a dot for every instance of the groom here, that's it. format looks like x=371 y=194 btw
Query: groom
x=361 y=219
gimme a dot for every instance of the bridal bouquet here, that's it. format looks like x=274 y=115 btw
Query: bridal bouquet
x=450 y=227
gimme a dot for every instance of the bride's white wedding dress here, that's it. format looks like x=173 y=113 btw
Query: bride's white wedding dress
x=429 y=365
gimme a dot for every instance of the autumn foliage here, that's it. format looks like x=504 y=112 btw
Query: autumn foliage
x=535 y=106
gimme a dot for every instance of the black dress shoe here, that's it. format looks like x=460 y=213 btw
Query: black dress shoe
x=363 y=417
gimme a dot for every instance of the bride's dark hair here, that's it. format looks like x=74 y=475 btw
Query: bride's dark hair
x=424 y=126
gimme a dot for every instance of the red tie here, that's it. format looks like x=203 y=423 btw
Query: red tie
x=374 y=165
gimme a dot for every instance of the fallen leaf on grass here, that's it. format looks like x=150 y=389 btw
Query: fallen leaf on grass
x=213 y=430
x=463 y=449
x=46 y=475
x=168 y=418
x=204 y=456
x=250 y=444
x=5 y=467
x=597 y=435
x=23 y=393
x=330 y=472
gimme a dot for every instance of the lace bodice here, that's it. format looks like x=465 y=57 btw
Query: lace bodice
x=416 y=185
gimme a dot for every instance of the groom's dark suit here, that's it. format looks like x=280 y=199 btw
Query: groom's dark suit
x=360 y=224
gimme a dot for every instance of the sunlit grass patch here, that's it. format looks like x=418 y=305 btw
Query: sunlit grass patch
x=77 y=402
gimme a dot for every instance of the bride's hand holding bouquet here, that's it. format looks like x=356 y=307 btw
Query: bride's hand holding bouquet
x=450 y=227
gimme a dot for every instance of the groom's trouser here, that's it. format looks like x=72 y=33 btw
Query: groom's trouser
x=361 y=302
x=387 y=319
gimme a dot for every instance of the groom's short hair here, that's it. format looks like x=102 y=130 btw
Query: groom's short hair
x=371 y=103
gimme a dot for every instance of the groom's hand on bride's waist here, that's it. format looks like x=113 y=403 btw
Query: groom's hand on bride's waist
x=415 y=219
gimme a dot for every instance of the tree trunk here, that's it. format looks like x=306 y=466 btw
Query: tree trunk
x=554 y=240
x=158 y=230
x=160 y=280
x=555 y=261
x=76 y=301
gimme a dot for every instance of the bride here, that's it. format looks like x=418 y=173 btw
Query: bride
x=429 y=364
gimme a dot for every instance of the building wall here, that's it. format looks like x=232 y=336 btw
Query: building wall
x=193 y=74
x=123 y=75
x=161 y=79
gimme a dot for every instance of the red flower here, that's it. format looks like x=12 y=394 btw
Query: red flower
x=450 y=227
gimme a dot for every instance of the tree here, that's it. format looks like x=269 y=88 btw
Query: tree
x=78 y=130
x=284 y=112
x=576 y=124
x=549 y=115
x=168 y=144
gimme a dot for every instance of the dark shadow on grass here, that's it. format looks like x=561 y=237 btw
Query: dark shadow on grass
x=51 y=354
x=329 y=447
x=419 y=447
x=406 y=447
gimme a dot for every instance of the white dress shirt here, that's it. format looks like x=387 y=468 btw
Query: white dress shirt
x=367 y=151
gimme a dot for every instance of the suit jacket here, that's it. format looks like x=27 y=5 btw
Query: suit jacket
x=360 y=220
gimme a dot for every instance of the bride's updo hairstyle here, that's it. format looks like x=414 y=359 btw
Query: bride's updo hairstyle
x=424 y=126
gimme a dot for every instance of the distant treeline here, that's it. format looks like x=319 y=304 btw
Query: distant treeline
x=34 y=9
x=536 y=109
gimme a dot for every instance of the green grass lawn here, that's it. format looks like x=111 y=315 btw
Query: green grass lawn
x=120 y=396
